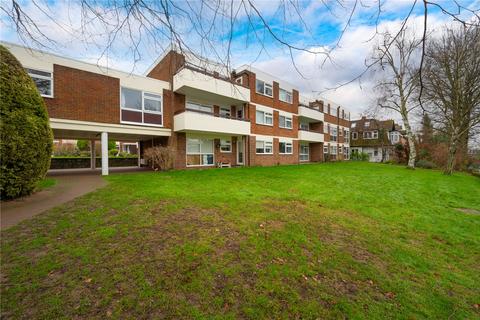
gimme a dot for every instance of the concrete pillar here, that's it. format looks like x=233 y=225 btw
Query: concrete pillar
x=92 y=155
x=138 y=153
x=104 y=154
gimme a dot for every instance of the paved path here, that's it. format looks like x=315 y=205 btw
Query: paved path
x=68 y=187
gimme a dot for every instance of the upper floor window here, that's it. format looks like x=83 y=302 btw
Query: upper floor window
x=304 y=126
x=225 y=112
x=354 y=135
x=285 y=96
x=264 y=88
x=199 y=107
x=43 y=80
x=370 y=135
x=239 y=80
x=367 y=124
x=354 y=124
x=141 y=101
x=333 y=134
x=285 y=122
x=394 y=137
x=263 y=117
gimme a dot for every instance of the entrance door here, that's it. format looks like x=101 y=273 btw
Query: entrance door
x=240 y=150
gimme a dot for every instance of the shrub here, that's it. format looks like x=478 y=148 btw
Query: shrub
x=26 y=138
x=67 y=149
x=112 y=152
x=360 y=156
x=83 y=145
x=425 y=164
x=160 y=158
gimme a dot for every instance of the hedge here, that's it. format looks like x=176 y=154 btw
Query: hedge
x=26 y=137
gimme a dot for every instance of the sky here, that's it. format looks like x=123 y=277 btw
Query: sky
x=316 y=27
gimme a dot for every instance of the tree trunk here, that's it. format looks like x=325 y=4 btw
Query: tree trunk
x=452 y=152
x=411 y=142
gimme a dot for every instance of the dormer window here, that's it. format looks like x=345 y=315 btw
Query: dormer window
x=239 y=80
x=264 y=88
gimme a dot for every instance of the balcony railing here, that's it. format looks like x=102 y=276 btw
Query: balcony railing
x=216 y=75
x=212 y=114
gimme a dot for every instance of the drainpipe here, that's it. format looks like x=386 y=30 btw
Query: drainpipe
x=104 y=140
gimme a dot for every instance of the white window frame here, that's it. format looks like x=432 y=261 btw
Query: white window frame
x=304 y=126
x=325 y=149
x=227 y=111
x=333 y=133
x=367 y=124
x=265 y=116
x=288 y=146
x=367 y=135
x=239 y=80
x=303 y=154
x=288 y=95
x=226 y=143
x=265 y=85
x=287 y=120
x=201 y=105
x=265 y=145
x=199 y=153
x=143 y=111
x=354 y=135
x=333 y=150
x=375 y=134
x=33 y=75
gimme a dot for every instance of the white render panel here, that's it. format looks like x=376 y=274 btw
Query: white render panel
x=310 y=113
x=194 y=121
x=190 y=78
x=44 y=61
x=310 y=136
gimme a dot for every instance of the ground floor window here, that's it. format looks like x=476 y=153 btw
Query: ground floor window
x=199 y=152
x=304 y=152
x=325 y=149
x=285 y=147
x=265 y=147
x=225 y=145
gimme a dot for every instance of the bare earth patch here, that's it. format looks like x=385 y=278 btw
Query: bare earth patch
x=469 y=211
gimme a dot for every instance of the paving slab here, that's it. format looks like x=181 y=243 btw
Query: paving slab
x=68 y=187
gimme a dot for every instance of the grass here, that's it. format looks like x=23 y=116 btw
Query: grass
x=339 y=240
x=45 y=184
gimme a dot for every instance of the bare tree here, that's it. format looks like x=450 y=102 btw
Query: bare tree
x=451 y=94
x=207 y=27
x=400 y=79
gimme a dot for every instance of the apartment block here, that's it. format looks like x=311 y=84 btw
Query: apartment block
x=209 y=116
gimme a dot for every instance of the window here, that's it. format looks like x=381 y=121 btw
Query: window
x=152 y=102
x=304 y=126
x=304 y=152
x=43 y=80
x=264 y=88
x=239 y=80
x=367 y=135
x=375 y=134
x=147 y=104
x=367 y=124
x=264 y=118
x=199 y=107
x=285 y=122
x=347 y=136
x=333 y=134
x=285 y=96
x=225 y=145
x=131 y=99
x=285 y=148
x=325 y=149
x=333 y=149
x=354 y=135
x=199 y=152
x=225 y=112
x=240 y=112
x=375 y=153
x=394 y=137
x=340 y=149
x=265 y=147
x=354 y=124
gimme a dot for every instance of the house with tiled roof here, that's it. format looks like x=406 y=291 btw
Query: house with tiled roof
x=376 y=138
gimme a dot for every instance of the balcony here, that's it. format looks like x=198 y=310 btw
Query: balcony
x=194 y=81
x=310 y=136
x=310 y=113
x=198 y=121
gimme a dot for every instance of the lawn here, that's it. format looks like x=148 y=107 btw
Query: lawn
x=338 y=240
